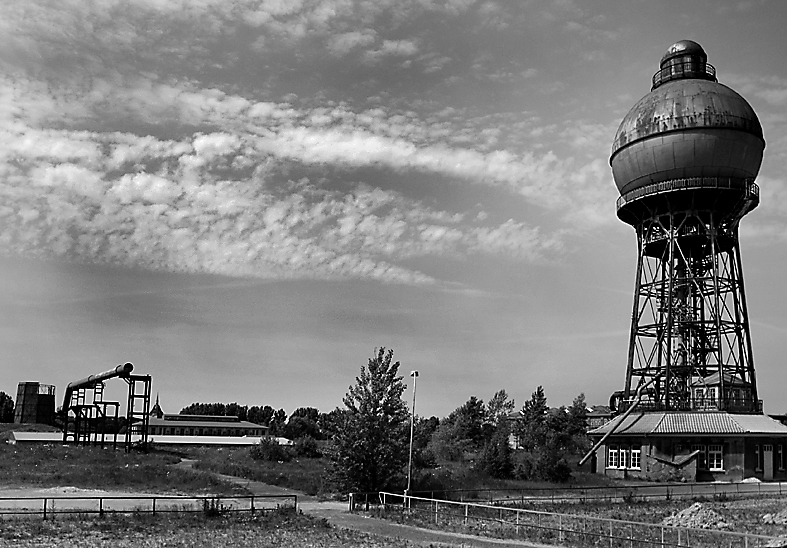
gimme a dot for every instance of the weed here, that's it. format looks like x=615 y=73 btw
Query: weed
x=213 y=507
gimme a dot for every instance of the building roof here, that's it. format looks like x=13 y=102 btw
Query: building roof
x=665 y=424
x=57 y=437
x=599 y=410
x=197 y=421
x=713 y=380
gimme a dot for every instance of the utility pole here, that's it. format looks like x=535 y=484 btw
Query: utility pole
x=414 y=375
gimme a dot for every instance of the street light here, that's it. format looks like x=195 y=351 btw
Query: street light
x=414 y=375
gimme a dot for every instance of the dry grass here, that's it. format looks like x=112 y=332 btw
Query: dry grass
x=282 y=528
x=96 y=468
x=307 y=475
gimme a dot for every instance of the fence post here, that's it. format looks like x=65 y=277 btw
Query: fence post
x=154 y=506
x=252 y=505
x=467 y=507
x=44 y=509
x=435 y=512
x=560 y=528
x=610 y=534
x=101 y=507
x=517 y=522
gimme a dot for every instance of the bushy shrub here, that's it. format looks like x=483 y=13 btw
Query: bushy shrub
x=270 y=450
x=307 y=447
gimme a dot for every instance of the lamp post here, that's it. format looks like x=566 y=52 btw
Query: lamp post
x=414 y=375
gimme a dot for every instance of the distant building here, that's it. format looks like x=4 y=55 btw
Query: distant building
x=598 y=415
x=203 y=425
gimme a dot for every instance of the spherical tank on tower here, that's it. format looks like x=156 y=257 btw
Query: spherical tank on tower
x=689 y=127
x=684 y=160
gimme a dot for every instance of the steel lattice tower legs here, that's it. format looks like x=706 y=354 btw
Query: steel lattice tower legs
x=690 y=326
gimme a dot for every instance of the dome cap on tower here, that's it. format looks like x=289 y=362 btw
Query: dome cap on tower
x=684 y=48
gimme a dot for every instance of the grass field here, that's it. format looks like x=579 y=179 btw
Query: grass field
x=308 y=475
x=93 y=467
x=281 y=528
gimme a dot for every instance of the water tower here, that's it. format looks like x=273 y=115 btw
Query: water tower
x=684 y=159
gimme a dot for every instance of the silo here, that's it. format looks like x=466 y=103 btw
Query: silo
x=35 y=403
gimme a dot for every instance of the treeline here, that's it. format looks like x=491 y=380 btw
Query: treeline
x=303 y=422
x=367 y=440
x=535 y=443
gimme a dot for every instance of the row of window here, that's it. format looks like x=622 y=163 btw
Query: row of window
x=709 y=457
x=624 y=457
x=160 y=430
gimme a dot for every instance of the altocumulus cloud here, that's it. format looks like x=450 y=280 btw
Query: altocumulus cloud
x=96 y=197
x=77 y=183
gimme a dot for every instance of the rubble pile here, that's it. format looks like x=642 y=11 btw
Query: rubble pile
x=778 y=542
x=696 y=516
x=777 y=519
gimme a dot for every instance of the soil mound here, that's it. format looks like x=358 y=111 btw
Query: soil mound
x=696 y=516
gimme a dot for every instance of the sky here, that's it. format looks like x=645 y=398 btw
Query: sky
x=245 y=198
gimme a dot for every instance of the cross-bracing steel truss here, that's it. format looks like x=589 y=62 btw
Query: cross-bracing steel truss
x=690 y=324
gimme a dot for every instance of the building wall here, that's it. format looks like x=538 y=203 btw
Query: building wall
x=754 y=462
x=673 y=459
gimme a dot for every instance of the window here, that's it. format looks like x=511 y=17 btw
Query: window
x=715 y=458
x=758 y=456
x=624 y=454
x=780 y=456
x=635 y=459
x=701 y=464
x=612 y=456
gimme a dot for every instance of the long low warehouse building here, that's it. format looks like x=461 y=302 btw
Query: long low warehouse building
x=57 y=437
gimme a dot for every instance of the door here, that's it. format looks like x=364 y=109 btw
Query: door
x=767 y=466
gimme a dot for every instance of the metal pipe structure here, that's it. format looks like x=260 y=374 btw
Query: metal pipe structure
x=122 y=370
x=628 y=412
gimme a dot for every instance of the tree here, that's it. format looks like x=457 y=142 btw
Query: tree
x=532 y=429
x=235 y=410
x=330 y=422
x=544 y=437
x=469 y=422
x=496 y=459
x=6 y=408
x=499 y=408
x=277 y=422
x=303 y=422
x=370 y=447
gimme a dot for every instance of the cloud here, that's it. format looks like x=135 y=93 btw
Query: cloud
x=188 y=217
x=341 y=44
x=101 y=161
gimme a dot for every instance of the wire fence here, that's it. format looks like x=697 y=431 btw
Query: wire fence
x=554 y=529
x=659 y=491
x=50 y=507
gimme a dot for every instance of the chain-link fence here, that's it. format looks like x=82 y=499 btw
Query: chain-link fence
x=552 y=528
